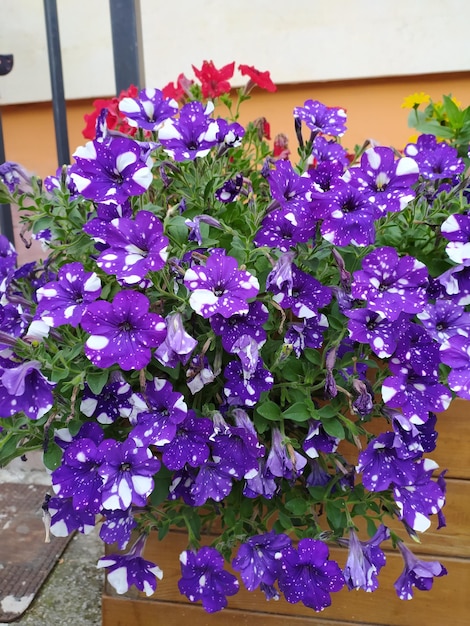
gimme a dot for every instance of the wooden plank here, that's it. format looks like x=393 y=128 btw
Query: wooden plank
x=447 y=602
x=131 y=612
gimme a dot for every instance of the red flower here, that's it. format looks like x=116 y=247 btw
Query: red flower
x=281 y=147
x=262 y=126
x=114 y=118
x=262 y=79
x=178 y=91
x=214 y=82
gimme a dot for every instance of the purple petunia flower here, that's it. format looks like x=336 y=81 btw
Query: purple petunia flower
x=288 y=187
x=415 y=395
x=455 y=352
x=213 y=481
x=77 y=477
x=111 y=170
x=445 y=318
x=328 y=150
x=236 y=448
x=283 y=461
x=243 y=388
x=65 y=518
x=15 y=177
x=115 y=400
x=220 y=287
x=321 y=118
x=391 y=284
x=23 y=388
x=134 y=247
x=178 y=344
x=122 y=331
x=166 y=408
x=416 y=351
x=308 y=576
x=350 y=218
x=127 y=471
x=64 y=301
x=380 y=333
x=149 y=110
x=230 y=190
x=308 y=334
x=8 y=256
x=203 y=578
x=259 y=559
x=117 y=527
x=435 y=159
x=381 y=464
x=234 y=327
x=422 y=498
x=192 y=135
x=318 y=440
x=125 y=570
x=456 y=228
x=456 y=283
x=190 y=443
x=365 y=559
x=277 y=231
x=306 y=296
x=416 y=573
x=263 y=483
x=386 y=181
x=194 y=226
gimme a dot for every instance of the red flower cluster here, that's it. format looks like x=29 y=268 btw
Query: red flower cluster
x=114 y=119
x=214 y=82
x=178 y=91
x=262 y=79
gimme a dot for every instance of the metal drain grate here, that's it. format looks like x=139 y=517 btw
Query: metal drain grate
x=25 y=559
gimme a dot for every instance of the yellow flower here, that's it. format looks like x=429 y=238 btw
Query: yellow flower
x=415 y=100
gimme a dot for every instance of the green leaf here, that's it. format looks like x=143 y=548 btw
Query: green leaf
x=297 y=506
x=327 y=412
x=284 y=520
x=178 y=230
x=335 y=514
x=270 y=411
x=298 y=412
x=453 y=112
x=97 y=380
x=52 y=456
x=334 y=428
x=58 y=374
x=313 y=356
x=371 y=527
x=162 y=481
x=8 y=447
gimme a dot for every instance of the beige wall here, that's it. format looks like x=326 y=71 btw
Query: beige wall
x=297 y=40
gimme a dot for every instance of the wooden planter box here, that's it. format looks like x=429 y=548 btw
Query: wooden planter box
x=447 y=603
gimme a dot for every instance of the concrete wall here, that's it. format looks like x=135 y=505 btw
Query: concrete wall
x=297 y=40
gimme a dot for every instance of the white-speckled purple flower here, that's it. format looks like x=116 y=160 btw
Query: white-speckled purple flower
x=220 y=287
x=122 y=331
x=111 y=170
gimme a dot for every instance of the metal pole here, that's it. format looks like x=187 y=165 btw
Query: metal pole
x=57 y=81
x=126 y=29
x=6 y=223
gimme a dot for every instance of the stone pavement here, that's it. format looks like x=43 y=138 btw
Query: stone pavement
x=71 y=596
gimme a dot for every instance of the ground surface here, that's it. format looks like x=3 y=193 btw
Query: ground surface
x=71 y=596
